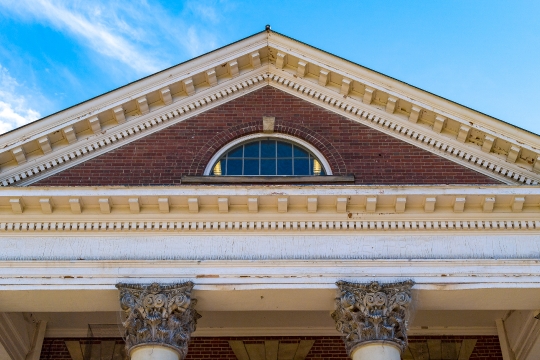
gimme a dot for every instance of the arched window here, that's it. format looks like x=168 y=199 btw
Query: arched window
x=267 y=156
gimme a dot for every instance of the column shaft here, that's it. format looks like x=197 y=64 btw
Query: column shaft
x=154 y=352
x=376 y=351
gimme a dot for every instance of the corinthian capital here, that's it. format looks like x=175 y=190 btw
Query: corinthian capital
x=372 y=312
x=158 y=315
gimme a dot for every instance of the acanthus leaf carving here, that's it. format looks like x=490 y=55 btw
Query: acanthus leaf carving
x=159 y=315
x=373 y=312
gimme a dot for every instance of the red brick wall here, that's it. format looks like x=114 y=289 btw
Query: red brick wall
x=56 y=349
x=185 y=148
x=325 y=347
x=486 y=348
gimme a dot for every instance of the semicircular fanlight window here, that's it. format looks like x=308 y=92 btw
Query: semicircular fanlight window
x=268 y=157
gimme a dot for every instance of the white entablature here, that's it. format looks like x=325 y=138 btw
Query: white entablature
x=313 y=209
x=84 y=131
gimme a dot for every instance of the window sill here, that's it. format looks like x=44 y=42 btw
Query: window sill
x=186 y=179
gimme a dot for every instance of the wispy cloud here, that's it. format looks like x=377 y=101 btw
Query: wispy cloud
x=15 y=110
x=123 y=39
x=137 y=34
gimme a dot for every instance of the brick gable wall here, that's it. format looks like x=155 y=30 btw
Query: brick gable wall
x=324 y=348
x=185 y=148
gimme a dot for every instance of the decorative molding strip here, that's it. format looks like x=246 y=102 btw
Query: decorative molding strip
x=273 y=226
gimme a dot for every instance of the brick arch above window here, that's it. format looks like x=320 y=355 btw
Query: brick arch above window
x=220 y=140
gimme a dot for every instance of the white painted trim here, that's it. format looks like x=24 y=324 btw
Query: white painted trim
x=288 y=331
x=244 y=275
x=247 y=138
x=506 y=349
x=259 y=190
x=37 y=341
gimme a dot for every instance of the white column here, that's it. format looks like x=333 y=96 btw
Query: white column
x=154 y=352
x=159 y=320
x=373 y=319
x=376 y=351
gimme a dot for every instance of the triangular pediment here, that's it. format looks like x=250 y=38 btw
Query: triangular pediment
x=75 y=135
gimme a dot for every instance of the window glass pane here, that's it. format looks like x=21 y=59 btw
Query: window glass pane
x=269 y=158
x=284 y=149
x=223 y=166
x=268 y=148
x=234 y=167
x=251 y=150
x=298 y=152
x=301 y=166
x=268 y=167
x=236 y=153
x=284 y=167
x=251 y=166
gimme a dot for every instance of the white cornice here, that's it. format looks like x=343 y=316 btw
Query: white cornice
x=512 y=161
x=271 y=209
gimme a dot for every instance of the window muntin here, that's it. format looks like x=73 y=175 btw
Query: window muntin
x=268 y=157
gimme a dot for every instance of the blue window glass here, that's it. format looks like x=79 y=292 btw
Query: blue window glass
x=236 y=153
x=234 y=167
x=251 y=166
x=300 y=152
x=251 y=150
x=268 y=149
x=284 y=167
x=301 y=166
x=284 y=149
x=268 y=157
x=268 y=167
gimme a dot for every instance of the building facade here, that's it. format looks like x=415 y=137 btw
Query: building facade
x=269 y=200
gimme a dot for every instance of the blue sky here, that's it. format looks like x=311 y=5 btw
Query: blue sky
x=482 y=54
